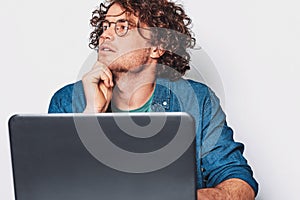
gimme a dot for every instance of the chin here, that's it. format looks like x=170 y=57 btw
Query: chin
x=117 y=69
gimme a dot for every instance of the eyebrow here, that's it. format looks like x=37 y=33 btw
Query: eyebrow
x=116 y=15
x=132 y=23
x=128 y=18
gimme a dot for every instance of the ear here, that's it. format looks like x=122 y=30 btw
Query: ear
x=156 y=52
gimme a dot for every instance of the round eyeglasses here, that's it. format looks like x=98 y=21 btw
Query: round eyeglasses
x=121 y=26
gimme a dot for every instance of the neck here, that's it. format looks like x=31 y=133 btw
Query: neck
x=133 y=89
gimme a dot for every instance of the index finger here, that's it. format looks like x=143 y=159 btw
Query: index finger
x=105 y=70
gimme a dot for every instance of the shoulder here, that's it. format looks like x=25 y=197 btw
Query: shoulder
x=186 y=94
x=188 y=87
x=66 y=98
x=182 y=83
x=64 y=91
x=199 y=87
x=204 y=92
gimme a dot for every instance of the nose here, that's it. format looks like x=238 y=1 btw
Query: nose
x=108 y=34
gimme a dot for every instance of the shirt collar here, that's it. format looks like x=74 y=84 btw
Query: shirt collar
x=162 y=95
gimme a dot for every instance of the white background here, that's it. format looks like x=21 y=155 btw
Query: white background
x=253 y=44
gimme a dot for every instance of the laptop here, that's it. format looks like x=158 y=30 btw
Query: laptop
x=109 y=156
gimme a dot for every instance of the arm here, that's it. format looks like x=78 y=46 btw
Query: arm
x=226 y=172
x=230 y=189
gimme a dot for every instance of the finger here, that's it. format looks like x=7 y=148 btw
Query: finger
x=95 y=99
x=97 y=76
x=99 y=64
x=106 y=76
x=109 y=97
x=106 y=70
x=110 y=75
x=107 y=92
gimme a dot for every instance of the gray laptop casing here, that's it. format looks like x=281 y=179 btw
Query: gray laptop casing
x=51 y=162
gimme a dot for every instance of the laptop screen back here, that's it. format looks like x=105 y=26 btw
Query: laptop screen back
x=105 y=156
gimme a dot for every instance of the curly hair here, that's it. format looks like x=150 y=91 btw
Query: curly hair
x=173 y=33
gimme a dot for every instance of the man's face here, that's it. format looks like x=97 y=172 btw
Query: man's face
x=126 y=53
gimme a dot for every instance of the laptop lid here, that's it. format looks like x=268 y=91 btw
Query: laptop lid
x=128 y=156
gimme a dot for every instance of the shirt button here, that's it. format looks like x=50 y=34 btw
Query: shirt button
x=164 y=103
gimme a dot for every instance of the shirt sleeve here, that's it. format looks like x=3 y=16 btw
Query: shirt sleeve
x=69 y=99
x=222 y=158
x=55 y=105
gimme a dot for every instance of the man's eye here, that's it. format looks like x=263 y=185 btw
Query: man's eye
x=104 y=27
x=121 y=28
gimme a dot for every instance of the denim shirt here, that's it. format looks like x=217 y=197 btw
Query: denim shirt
x=218 y=156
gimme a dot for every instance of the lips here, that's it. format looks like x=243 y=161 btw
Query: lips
x=106 y=48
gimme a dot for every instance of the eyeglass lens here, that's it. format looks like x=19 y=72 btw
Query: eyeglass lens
x=121 y=26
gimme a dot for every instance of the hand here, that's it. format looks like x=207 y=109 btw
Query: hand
x=233 y=188
x=97 y=85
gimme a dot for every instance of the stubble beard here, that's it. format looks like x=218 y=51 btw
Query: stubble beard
x=132 y=63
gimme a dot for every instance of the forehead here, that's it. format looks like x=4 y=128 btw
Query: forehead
x=116 y=12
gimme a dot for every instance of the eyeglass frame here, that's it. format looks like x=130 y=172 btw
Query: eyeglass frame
x=116 y=27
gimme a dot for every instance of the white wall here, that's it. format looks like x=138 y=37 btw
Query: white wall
x=253 y=46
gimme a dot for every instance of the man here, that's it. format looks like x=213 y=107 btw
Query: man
x=142 y=54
